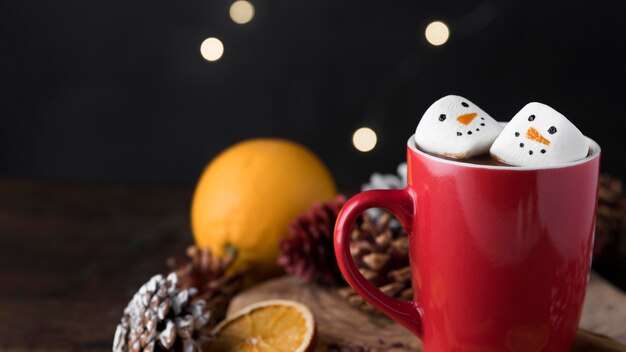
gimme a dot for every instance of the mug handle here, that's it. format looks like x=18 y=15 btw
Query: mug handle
x=402 y=204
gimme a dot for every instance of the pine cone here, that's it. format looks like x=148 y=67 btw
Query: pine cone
x=381 y=254
x=386 y=181
x=162 y=317
x=308 y=252
x=611 y=221
x=212 y=275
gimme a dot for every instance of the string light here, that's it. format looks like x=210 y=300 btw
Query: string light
x=364 y=139
x=437 y=33
x=212 y=49
x=241 y=11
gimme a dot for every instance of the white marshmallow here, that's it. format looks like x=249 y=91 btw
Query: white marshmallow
x=456 y=128
x=538 y=135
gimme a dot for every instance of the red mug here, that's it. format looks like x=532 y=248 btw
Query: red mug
x=499 y=255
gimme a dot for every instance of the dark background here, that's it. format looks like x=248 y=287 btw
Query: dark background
x=117 y=89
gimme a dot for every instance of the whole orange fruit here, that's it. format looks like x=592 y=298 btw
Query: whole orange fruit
x=248 y=195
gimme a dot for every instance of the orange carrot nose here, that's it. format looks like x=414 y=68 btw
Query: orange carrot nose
x=534 y=135
x=466 y=119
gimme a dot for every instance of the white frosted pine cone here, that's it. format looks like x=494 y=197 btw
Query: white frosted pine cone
x=162 y=317
x=386 y=181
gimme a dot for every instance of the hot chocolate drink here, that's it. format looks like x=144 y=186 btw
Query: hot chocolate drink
x=483 y=159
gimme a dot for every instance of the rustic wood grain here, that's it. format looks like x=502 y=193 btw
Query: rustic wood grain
x=338 y=322
x=73 y=254
x=604 y=310
x=341 y=324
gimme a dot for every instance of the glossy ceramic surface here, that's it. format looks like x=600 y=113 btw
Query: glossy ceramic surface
x=500 y=257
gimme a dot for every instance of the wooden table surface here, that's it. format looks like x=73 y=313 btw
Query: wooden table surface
x=73 y=253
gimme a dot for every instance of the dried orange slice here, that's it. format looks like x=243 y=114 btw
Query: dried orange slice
x=268 y=326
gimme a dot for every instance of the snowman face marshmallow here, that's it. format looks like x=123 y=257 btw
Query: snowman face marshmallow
x=456 y=128
x=538 y=135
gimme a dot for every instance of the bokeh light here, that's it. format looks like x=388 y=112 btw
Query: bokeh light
x=241 y=11
x=364 y=139
x=212 y=49
x=437 y=33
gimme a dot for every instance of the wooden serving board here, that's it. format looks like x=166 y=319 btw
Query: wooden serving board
x=342 y=326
